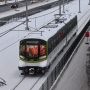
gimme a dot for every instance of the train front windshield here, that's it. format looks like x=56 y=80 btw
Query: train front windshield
x=33 y=50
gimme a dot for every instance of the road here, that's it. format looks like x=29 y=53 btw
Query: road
x=7 y=7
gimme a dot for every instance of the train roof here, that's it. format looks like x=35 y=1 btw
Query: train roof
x=50 y=29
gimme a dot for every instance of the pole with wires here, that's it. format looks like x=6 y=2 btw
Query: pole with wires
x=60 y=7
x=89 y=2
x=79 y=7
x=27 y=28
x=63 y=7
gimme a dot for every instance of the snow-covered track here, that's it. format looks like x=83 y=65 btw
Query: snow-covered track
x=27 y=82
x=7 y=31
x=18 y=83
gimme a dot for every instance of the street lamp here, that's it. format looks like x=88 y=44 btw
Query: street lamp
x=27 y=28
x=79 y=7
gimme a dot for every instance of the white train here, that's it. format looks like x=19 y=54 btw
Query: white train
x=37 y=51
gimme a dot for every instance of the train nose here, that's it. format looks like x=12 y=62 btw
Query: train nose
x=31 y=71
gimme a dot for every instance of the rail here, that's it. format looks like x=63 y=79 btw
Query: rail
x=18 y=83
x=25 y=78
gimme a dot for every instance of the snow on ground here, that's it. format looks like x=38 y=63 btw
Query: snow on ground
x=9 y=44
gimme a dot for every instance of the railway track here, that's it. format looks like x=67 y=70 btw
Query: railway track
x=7 y=31
x=26 y=83
x=18 y=83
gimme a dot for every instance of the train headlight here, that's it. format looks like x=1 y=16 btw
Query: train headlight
x=21 y=63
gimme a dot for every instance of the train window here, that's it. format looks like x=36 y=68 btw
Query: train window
x=54 y=42
x=61 y=34
x=33 y=50
x=42 y=52
x=29 y=51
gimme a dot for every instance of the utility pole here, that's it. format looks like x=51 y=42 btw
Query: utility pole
x=63 y=7
x=79 y=7
x=27 y=28
x=59 y=7
x=89 y=2
x=5 y=1
x=67 y=1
